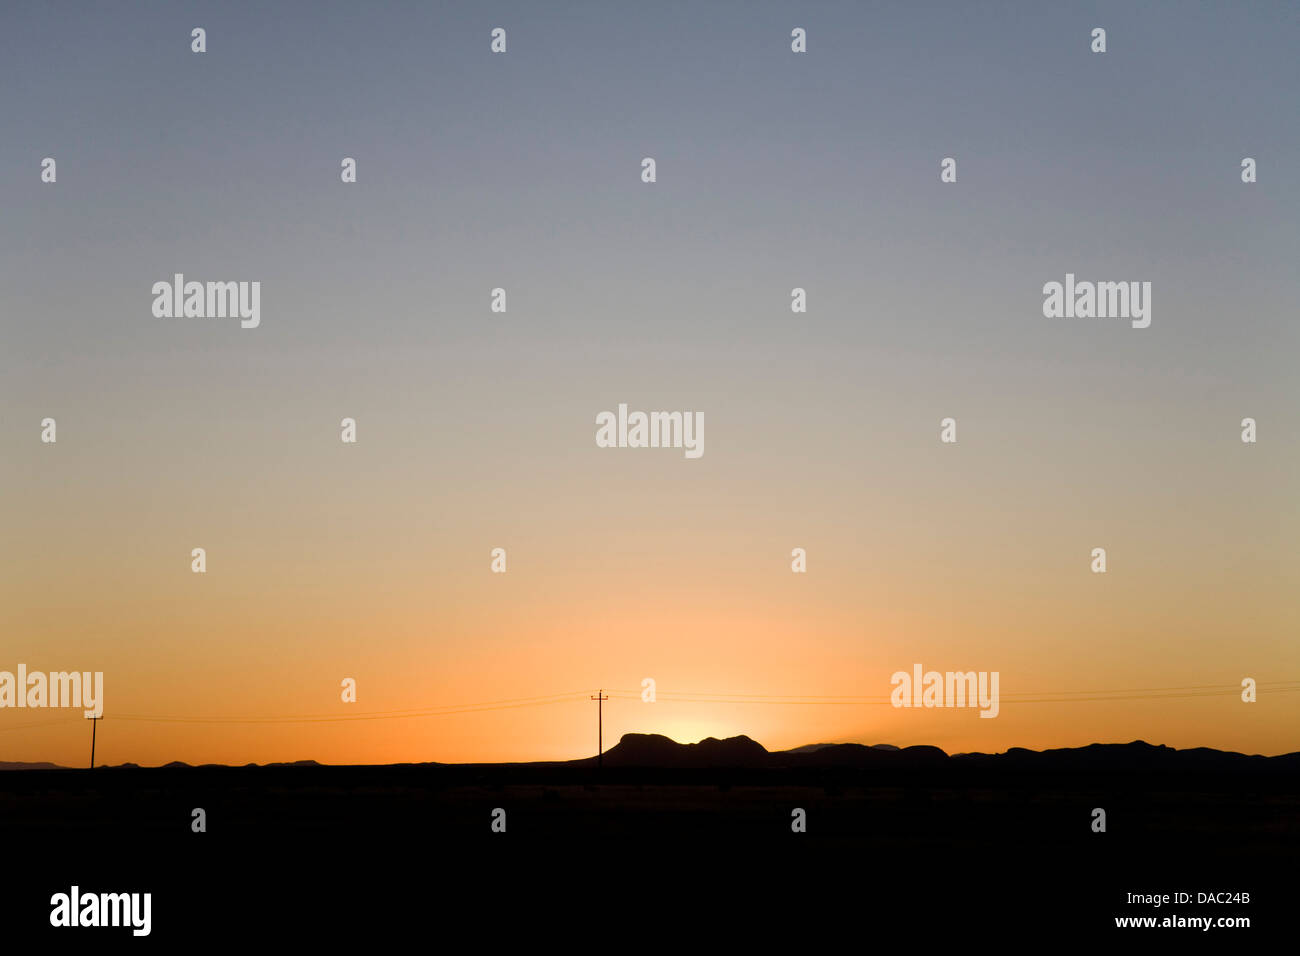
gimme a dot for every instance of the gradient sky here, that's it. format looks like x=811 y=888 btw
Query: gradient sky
x=476 y=430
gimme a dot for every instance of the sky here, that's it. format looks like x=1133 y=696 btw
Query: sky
x=475 y=429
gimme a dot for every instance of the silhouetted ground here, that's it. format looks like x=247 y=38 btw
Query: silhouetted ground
x=950 y=849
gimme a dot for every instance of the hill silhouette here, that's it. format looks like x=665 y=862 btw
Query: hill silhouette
x=655 y=751
x=660 y=752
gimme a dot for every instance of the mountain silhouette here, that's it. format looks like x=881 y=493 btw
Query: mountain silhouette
x=859 y=755
x=811 y=748
x=656 y=750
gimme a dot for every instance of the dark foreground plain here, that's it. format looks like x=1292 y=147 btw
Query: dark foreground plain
x=911 y=844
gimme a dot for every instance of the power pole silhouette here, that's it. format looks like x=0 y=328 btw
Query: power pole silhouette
x=600 y=729
x=94 y=725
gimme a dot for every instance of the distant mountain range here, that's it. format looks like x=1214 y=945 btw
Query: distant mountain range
x=175 y=764
x=654 y=750
x=658 y=751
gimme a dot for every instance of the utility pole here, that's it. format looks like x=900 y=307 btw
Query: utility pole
x=600 y=730
x=93 y=727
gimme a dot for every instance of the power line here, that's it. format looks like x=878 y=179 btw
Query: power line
x=686 y=697
x=369 y=715
x=851 y=697
x=35 y=723
x=1195 y=690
